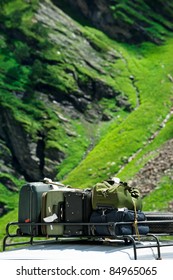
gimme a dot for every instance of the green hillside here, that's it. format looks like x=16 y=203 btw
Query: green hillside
x=81 y=101
x=150 y=67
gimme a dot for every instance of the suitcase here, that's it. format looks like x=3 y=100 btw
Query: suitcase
x=53 y=203
x=30 y=206
x=159 y=226
x=114 y=216
x=78 y=209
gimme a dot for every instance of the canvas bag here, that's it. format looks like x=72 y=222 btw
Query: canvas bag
x=108 y=194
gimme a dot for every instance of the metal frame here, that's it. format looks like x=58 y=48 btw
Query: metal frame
x=134 y=240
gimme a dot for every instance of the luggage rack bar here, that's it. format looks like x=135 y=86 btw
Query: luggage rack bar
x=134 y=240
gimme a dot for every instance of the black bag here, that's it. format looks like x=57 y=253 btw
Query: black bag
x=114 y=216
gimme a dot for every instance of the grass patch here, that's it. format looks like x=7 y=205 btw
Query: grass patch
x=160 y=197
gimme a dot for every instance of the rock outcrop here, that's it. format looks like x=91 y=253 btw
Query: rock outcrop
x=161 y=165
x=125 y=20
x=22 y=154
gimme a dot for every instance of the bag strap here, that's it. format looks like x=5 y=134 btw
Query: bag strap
x=110 y=186
x=107 y=184
x=135 y=224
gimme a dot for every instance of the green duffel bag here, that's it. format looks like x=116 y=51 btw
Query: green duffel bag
x=115 y=194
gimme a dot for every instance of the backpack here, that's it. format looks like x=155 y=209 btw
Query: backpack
x=110 y=194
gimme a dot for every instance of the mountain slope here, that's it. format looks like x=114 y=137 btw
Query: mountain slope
x=79 y=103
x=135 y=133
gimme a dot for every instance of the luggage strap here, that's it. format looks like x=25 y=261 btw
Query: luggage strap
x=135 y=224
x=49 y=181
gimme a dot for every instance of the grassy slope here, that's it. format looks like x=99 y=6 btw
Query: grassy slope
x=150 y=65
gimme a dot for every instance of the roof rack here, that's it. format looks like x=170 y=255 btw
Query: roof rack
x=134 y=239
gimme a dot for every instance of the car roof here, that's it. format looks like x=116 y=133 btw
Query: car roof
x=77 y=250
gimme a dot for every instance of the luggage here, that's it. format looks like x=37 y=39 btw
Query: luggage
x=77 y=209
x=111 y=194
x=114 y=216
x=53 y=203
x=30 y=206
x=159 y=226
x=67 y=205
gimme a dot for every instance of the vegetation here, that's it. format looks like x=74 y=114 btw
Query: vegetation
x=39 y=73
x=154 y=88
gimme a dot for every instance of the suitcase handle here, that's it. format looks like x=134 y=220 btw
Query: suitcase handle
x=59 y=210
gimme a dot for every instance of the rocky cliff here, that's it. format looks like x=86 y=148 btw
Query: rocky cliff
x=128 y=21
x=71 y=94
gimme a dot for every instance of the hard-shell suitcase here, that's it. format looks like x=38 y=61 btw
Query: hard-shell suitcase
x=77 y=209
x=159 y=224
x=30 y=206
x=53 y=204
